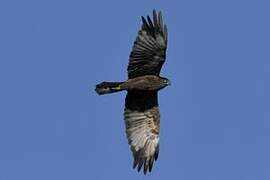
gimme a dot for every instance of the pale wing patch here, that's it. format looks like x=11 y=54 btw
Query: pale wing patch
x=142 y=129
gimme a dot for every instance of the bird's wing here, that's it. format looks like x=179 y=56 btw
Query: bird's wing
x=142 y=128
x=149 y=49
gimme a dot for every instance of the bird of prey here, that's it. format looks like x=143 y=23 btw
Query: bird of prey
x=141 y=114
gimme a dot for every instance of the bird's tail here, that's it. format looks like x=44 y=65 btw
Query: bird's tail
x=108 y=87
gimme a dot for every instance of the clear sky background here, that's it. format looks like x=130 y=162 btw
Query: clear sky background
x=215 y=118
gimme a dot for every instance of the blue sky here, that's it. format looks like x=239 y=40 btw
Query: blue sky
x=215 y=118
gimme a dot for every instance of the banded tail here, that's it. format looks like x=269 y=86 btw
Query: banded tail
x=108 y=87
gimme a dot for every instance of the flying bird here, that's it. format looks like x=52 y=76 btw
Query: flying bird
x=141 y=113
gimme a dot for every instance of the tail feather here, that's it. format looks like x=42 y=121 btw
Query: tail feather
x=108 y=87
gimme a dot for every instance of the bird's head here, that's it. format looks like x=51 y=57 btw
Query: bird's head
x=165 y=82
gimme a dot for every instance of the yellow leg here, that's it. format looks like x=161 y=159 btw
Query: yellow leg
x=116 y=88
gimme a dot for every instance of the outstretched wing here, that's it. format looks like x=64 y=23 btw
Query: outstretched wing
x=142 y=122
x=149 y=50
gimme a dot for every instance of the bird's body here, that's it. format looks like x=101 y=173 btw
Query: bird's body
x=141 y=83
x=142 y=118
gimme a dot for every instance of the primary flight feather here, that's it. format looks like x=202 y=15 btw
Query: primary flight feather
x=141 y=114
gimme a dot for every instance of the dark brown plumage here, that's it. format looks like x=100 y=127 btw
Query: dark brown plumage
x=141 y=114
